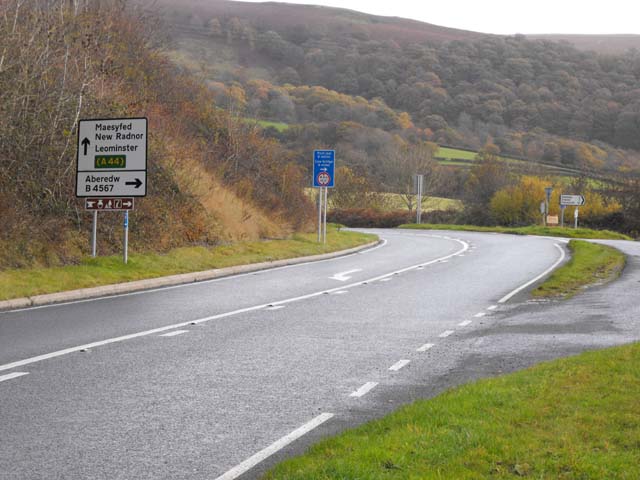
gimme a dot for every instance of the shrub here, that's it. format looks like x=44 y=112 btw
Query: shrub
x=369 y=218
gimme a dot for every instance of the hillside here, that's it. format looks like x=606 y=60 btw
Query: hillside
x=100 y=60
x=535 y=99
x=606 y=44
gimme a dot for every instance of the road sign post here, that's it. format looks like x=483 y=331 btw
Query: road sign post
x=547 y=192
x=111 y=163
x=112 y=158
x=94 y=235
x=572 y=200
x=324 y=162
x=126 y=237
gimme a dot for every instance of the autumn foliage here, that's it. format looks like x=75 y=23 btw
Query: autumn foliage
x=212 y=178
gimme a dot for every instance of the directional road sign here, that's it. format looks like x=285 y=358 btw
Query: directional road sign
x=572 y=200
x=109 y=204
x=112 y=158
x=324 y=163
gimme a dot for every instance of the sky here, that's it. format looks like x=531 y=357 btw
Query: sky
x=507 y=17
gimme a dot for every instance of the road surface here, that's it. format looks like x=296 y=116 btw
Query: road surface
x=224 y=378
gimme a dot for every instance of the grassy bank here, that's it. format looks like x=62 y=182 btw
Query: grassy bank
x=109 y=270
x=590 y=264
x=586 y=233
x=572 y=418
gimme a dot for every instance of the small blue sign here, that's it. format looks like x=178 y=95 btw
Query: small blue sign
x=324 y=163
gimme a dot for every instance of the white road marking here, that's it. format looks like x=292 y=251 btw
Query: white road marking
x=275 y=307
x=364 y=389
x=446 y=333
x=398 y=365
x=444 y=261
x=174 y=333
x=508 y=296
x=385 y=280
x=383 y=243
x=466 y=323
x=480 y=315
x=344 y=276
x=9 y=376
x=275 y=447
x=492 y=307
x=340 y=292
x=425 y=347
x=66 y=351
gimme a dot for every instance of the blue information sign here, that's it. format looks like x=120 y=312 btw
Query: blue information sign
x=324 y=162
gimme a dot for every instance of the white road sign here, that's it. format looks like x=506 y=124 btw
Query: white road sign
x=572 y=200
x=112 y=158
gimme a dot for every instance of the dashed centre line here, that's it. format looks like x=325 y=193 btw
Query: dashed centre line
x=364 y=389
x=9 y=376
x=492 y=307
x=174 y=333
x=340 y=292
x=275 y=307
x=446 y=333
x=480 y=315
x=425 y=347
x=398 y=365
x=466 y=323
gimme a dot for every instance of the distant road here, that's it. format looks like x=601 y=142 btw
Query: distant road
x=226 y=377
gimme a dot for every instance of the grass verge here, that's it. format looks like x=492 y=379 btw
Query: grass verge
x=590 y=264
x=531 y=230
x=99 y=271
x=575 y=418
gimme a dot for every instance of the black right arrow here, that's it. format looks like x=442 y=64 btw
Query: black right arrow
x=85 y=144
x=137 y=183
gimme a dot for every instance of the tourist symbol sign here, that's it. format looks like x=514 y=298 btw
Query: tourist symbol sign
x=112 y=158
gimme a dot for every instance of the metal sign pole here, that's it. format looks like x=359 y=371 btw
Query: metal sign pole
x=319 y=215
x=94 y=235
x=419 y=200
x=326 y=194
x=126 y=236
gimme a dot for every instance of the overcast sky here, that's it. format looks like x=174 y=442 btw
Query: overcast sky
x=508 y=16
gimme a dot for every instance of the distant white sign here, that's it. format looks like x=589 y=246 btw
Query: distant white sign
x=112 y=158
x=572 y=200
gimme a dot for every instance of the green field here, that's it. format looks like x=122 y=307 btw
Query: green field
x=575 y=418
x=279 y=126
x=99 y=271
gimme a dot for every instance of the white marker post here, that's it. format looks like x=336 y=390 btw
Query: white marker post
x=575 y=218
x=419 y=186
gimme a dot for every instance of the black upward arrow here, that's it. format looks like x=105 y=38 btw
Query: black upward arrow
x=137 y=183
x=85 y=144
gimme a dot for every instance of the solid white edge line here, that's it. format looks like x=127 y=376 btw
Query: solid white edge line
x=174 y=333
x=508 y=296
x=399 y=364
x=446 y=333
x=9 y=376
x=123 y=338
x=383 y=243
x=364 y=389
x=425 y=347
x=275 y=447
